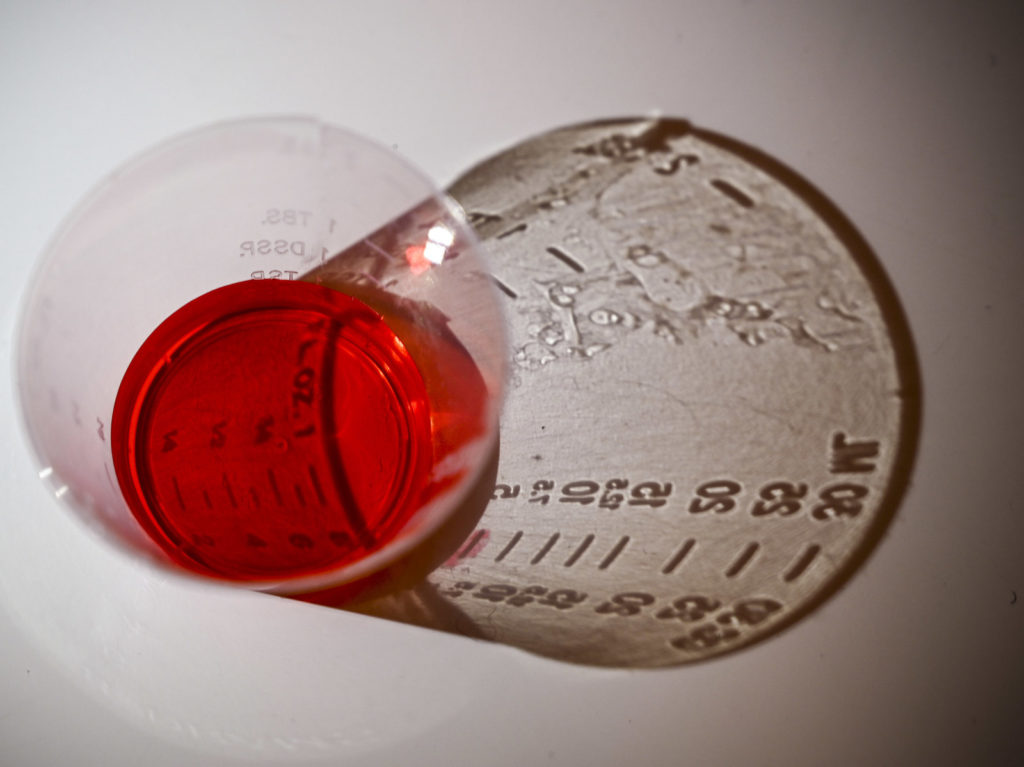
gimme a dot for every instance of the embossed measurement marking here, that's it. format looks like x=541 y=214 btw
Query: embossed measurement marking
x=713 y=404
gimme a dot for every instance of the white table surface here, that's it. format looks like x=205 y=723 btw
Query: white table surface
x=909 y=116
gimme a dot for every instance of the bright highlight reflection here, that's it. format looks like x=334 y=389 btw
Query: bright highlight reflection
x=420 y=257
x=441 y=234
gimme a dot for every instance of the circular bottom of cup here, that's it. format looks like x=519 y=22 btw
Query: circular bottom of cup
x=270 y=430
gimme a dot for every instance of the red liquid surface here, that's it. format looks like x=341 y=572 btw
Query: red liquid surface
x=272 y=429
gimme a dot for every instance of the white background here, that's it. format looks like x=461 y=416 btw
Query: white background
x=907 y=115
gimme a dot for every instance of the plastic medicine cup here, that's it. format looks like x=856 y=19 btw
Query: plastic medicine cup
x=267 y=352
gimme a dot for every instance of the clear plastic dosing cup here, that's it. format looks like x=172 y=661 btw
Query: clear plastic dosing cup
x=267 y=352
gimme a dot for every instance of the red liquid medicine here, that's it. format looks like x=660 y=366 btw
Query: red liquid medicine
x=273 y=429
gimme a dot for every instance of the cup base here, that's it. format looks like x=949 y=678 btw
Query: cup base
x=272 y=429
